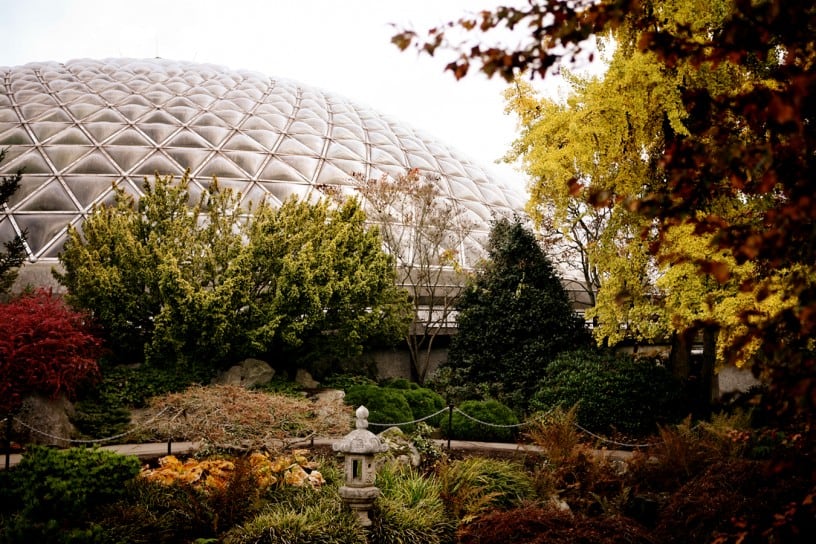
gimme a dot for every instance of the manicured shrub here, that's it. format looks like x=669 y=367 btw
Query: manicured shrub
x=497 y=427
x=612 y=392
x=385 y=405
x=410 y=509
x=424 y=402
x=57 y=490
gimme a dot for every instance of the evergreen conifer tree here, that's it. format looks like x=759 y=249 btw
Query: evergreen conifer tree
x=514 y=318
x=13 y=254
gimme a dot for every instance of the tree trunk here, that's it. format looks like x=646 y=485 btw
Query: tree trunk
x=680 y=355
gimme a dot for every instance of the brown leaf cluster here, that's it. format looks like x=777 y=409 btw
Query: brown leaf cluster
x=235 y=418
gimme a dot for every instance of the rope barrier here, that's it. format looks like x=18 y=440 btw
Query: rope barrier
x=94 y=440
x=515 y=425
x=610 y=441
x=419 y=420
x=409 y=422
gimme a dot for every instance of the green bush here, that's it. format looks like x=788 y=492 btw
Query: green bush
x=612 y=392
x=410 y=509
x=57 y=490
x=495 y=415
x=424 y=402
x=384 y=405
x=306 y=516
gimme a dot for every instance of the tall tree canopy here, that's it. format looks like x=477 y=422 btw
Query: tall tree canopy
x=426 y=234
x=745 y=143
x=514 y=317
x=207 y=284
x=592 y=155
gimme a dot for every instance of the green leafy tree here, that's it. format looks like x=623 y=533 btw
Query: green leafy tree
x=753 y=141
x=514 y=318
x=322 y=287
x=15 y=252
x=594 y=154
x=203 y=285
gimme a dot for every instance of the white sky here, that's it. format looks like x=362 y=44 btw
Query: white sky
x=341 y=46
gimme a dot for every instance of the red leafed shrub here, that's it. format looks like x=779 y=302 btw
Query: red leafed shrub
x=536 y=525
x=45 y=348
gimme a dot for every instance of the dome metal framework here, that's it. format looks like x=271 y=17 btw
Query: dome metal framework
x=78 y=129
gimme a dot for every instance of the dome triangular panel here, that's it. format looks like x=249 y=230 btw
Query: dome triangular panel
x=49 y=198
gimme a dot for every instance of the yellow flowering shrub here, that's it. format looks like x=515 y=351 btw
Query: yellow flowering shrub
x=214 y=474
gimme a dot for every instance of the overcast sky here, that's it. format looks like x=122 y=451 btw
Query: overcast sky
x=342 y=46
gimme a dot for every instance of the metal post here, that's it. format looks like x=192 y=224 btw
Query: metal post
x=450 y=424
x=8 y=441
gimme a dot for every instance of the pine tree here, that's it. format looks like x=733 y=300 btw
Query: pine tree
x=514 y=318
x=14 y=254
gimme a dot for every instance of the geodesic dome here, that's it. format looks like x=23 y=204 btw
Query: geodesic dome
x=79 y=128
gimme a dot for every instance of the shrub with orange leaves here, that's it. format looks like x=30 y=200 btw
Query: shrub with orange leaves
x=214 y=474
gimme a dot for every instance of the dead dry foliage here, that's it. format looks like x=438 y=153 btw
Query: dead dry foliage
x=232 y=417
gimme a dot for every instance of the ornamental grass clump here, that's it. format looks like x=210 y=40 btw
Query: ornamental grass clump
x=410 y=509
x=473 y=486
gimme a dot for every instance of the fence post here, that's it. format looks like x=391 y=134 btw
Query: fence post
x=8 y=441
x=450 y=423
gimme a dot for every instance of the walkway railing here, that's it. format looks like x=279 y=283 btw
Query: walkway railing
x=449 y=409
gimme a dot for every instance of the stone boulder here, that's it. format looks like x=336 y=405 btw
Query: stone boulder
x=248 y=373
x=47 y=421
x=400 y=447
x=305 y=380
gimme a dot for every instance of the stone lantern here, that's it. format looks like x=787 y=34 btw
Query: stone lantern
x=359 y=448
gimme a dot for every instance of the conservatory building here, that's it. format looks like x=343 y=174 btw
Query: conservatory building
x=78 y=129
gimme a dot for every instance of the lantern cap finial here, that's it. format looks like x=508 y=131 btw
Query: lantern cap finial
x=362 y=417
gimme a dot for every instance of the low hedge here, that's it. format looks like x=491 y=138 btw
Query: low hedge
x=497 y=426
x=612 y=392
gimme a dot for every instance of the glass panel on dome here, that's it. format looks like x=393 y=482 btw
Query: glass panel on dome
x=94 y=163
x=214 y=135
x=134 y=112
x=290 y=146
x=220 y=166
x=43 y=131
x=83 y=110
x=126 y=156
x=242 y=142
x=387 y=155
x=53 y=248
x=307 y=166
x=232 y=118
x=88 y=189
x=64 y=156
x=187 y=158
x=30 y=161
x=70 y=136
x=155 y=164
x=159 y=132
x=131 y=137
x=41 y=228
x=276 y=170
x=248 y=162
x=100 y=131
x=28 y=185
x=267 y=139
x=346 y=149
x=332 y=175
x=187 y=138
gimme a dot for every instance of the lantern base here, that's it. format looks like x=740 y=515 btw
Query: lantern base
x=360 y=500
